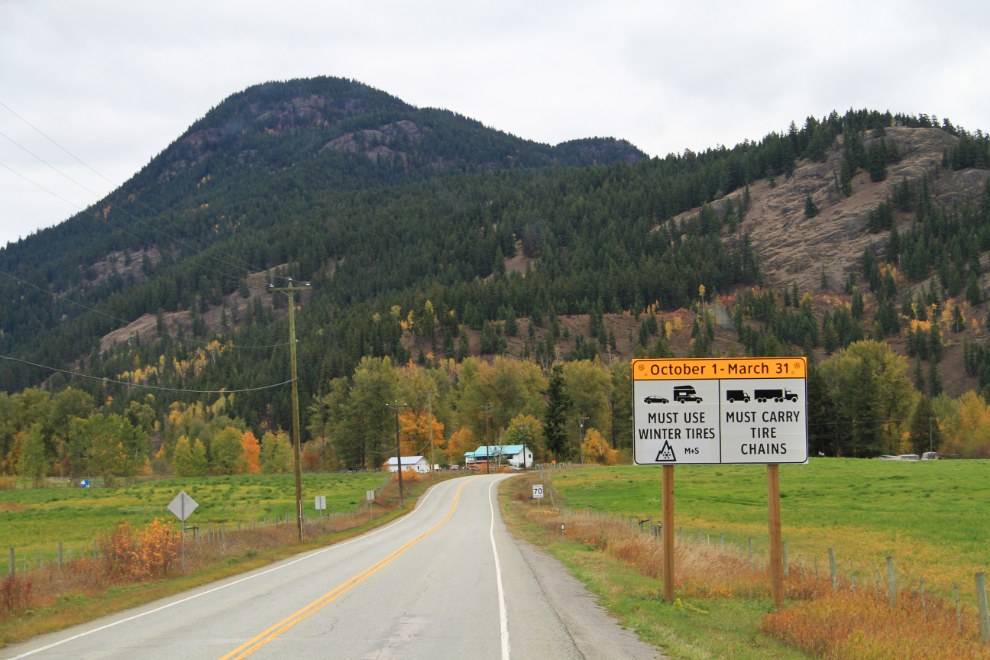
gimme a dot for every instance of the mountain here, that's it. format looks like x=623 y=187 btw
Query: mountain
x=419 y=228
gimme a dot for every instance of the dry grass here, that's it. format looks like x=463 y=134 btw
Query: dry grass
x=847 y=624
x=851 y=625
x=130 y=556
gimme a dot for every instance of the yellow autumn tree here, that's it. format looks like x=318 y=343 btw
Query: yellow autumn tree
x=596 y=450
x=251 y=451
x=414 y=433
x=461 y=442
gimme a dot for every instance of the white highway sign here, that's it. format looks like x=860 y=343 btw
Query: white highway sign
x=537 y=491
x=720 y=410
x=182 y=506
x=321 y=502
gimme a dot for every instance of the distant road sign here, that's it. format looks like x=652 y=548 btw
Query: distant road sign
x=720 y=410
x=370 y=495
x=182 y=506
x=321 y=502
x=537 y=491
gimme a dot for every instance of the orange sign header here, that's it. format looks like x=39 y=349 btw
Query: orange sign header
x=719 y=368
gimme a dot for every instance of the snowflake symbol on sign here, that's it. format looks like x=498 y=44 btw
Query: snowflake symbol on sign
x=666 y=453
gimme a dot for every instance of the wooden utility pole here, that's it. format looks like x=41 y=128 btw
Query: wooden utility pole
x=525 y=428
x=488 y=452
x=295 y=397
x=581 y=438
x=433 y=460
x=776 y=553
x=668 y=533
x=398 y=446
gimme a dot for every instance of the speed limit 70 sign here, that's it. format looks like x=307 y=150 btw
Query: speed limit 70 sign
x=537 y=491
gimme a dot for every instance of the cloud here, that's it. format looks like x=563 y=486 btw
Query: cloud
x=115 y=83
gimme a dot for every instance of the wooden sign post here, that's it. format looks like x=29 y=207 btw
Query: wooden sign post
x=776 y=554
x=668 y=533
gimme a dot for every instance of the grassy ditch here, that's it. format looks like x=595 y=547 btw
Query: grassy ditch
x=46 y=599
x=722 y=607
x=931 y=516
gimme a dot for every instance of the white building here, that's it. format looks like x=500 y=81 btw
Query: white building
x=417 y=463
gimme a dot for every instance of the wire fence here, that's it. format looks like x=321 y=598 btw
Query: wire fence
x=921 y=596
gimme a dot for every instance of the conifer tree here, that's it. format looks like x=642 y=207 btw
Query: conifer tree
x=934 y=380
x=973 y=293
x=935 y=344
x=919 y=376
x=925 y=434
x=810 y=208
x=558 y=403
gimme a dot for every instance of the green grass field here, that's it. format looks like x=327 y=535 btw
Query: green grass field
x=931 y=516
x=35 y=520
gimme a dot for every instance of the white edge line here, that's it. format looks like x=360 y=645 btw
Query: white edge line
x=309 y=555
x=503 y=618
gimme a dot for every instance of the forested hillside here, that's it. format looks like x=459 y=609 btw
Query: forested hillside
x=426 y=235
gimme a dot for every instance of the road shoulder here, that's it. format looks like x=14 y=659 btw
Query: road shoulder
x=595 y=634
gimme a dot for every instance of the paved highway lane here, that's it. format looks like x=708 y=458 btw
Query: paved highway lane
x=445 y=581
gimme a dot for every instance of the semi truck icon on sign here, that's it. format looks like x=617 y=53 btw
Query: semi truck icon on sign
x=777 y=396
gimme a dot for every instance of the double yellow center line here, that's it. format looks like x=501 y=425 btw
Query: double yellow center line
x=254 y=644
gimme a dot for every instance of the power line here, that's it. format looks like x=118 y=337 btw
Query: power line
x=159 y=215
x=147 y=387
x=117 y=318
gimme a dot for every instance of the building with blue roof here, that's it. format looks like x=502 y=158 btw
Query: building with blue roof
x=500 y=455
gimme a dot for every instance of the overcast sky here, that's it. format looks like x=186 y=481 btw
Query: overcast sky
x=116 y=82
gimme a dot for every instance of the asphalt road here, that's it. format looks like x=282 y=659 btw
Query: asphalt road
x=445 y=581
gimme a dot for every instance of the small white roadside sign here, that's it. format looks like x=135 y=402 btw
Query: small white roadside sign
x=537 y=491
x=370 y=495
x=321 y=502
x=182 y=506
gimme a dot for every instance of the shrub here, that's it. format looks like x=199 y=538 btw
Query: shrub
x=15 y=594
x=131 y=555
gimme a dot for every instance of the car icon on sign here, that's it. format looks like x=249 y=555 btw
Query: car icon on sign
x=655 y=399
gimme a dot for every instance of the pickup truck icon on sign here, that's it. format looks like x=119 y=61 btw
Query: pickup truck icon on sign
x=684 y=393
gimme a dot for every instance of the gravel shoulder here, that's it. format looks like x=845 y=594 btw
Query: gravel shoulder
x=595 y=634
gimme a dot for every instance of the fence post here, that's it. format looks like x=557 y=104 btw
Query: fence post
x=891 y=583
x=852 y=574
x=787 y=568
x=11 y=562
x=981 y=597
x=832 y=568
x=96 y=551
x=60 y=555
x=723 y=543
x=955 y=587
x=924 y=607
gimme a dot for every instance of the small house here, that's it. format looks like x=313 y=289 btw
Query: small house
x=417 y=463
